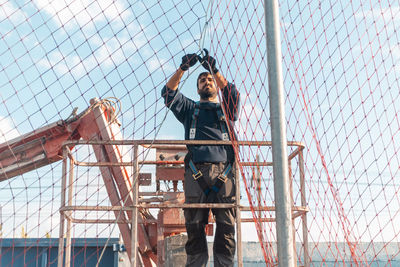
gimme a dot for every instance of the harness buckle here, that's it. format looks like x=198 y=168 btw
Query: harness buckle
x=222 y=177
x=197 y=175
x=192 y=133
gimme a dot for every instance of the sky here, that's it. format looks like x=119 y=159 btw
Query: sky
x=340 y=73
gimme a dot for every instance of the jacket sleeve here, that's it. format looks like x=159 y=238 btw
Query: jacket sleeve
x=231 y=101
x=177 y=103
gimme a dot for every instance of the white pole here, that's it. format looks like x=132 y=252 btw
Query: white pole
x=60 y=261
x=238 y=218
x=135 y=189
x=283 y=210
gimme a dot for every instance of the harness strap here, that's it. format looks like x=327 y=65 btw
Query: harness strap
x=221 y=119
x=222 y=122
x=198 y=176
x=192 y=131
x=221 y=179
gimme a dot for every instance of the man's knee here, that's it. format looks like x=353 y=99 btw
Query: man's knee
x=197 y=242
x=224 y=242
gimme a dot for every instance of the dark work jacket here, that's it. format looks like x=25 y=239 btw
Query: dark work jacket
x=208 y=126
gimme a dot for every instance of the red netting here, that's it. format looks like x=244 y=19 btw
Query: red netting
x=341 y=79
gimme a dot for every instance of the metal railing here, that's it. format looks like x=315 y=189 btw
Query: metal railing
x=67 y=209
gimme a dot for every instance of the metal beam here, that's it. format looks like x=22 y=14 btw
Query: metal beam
x=284 y=228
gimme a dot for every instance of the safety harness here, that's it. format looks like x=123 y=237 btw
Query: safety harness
x=221 y=119
x=197 y=174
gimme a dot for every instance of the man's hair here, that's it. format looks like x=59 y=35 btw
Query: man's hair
x=200 y=75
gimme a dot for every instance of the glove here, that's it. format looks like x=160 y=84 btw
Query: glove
x=209 y=63
x=189 y=60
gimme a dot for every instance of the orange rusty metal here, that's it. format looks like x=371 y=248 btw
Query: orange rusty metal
x=169 y=174
x=169 y=163
x=44 y=146
x=35 y=149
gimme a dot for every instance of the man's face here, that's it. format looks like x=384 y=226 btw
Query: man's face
x=206 y=87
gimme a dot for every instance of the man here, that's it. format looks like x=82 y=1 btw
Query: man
x=209 y=173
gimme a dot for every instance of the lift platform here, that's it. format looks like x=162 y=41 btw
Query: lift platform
x=99 y=128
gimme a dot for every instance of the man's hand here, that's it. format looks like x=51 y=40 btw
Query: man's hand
x=209 y=63
x=188 y=61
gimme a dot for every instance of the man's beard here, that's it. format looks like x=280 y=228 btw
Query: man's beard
x=206 y=94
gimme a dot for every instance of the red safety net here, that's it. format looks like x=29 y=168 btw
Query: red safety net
x=341 y=82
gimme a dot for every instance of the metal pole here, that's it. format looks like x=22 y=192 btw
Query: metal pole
x=292 y=206
x=135 y=189
x=278 y=136
x=259 y=193
x=70 y=196
x=62 y=215
x=304 y=204
x=238 y=217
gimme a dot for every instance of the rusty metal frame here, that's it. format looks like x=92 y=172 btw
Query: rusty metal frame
x=67 y=210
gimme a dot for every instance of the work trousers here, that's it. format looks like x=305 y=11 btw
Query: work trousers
x=196 y=219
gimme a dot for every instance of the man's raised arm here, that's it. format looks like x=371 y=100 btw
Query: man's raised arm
x=188 y=61
x=210 y=64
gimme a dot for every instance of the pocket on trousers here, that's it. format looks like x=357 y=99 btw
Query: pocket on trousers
x=191 y=187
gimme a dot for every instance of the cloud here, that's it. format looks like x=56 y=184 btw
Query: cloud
x=11 y=13
x=252 y=122
x=156 y=63
x=82 y=13
x=108 y=48
x=394 y=50
x=386 y=44
x=57 y=62
x=381 y=15
x=250 y=111
x=107 y=54
x=7 y=130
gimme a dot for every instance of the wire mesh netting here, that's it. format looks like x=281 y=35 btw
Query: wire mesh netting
x=341 y=81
